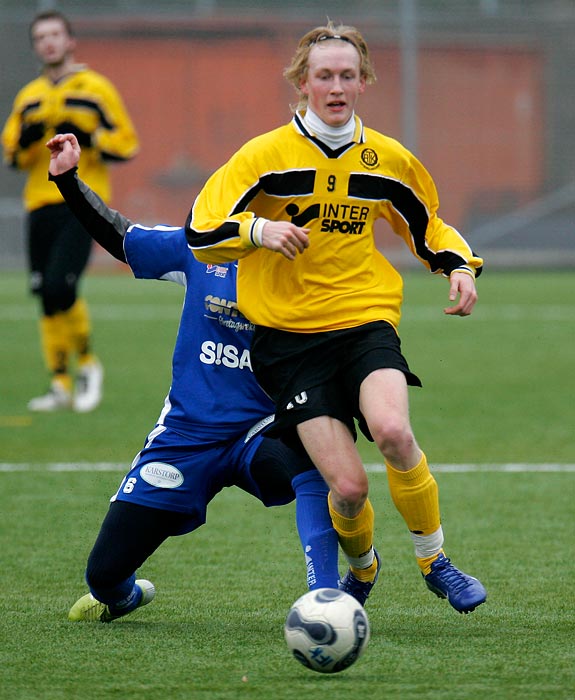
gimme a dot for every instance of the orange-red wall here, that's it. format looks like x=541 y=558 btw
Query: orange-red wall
x=194 y=101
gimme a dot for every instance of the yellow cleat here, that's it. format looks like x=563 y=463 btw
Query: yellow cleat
x=88 y=609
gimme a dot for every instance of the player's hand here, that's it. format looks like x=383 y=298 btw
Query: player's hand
x=463 y=285
x=64 y=153
x=84 y=138
x=285 y=238
x=30 y=133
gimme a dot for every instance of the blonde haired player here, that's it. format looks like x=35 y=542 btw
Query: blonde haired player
x=297 y=207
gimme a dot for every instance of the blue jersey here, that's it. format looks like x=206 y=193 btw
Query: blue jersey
x=213 y=394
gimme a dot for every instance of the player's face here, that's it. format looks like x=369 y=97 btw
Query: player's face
x=51 y=42
x=333 y=82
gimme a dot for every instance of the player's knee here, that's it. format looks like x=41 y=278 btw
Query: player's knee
x=57 y=296
x=394 y=438
x=349 y=493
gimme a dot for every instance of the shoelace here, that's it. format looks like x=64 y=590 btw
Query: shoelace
x=451 y=575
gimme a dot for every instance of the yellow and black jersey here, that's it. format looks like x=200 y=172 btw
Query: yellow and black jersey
x=341 y=280
x=85 y=99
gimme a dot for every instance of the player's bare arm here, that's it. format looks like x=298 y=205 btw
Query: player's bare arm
x=461 y=284
x=64 y=153
x=285 y=238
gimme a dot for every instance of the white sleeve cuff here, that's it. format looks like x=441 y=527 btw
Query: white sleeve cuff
x=464 y=268
x=257 y=231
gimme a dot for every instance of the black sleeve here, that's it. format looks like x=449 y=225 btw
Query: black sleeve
x=106 y=226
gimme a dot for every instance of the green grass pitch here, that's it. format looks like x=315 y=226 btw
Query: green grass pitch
x=497 y=391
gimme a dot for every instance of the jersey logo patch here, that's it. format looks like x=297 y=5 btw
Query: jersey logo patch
x=312 y=212
x=218 y=270
x=164 y=476
x=369 y=158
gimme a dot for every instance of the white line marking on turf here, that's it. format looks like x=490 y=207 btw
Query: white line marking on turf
x=445 y=468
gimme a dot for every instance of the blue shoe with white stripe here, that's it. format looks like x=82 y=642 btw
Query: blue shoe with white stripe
x=463 y=592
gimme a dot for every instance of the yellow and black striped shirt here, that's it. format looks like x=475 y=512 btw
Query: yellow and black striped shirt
x=89 y=101
x=341 y=280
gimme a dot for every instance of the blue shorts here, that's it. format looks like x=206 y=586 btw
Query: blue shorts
x=175 y=474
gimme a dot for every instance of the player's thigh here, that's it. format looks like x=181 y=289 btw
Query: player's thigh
x=384 y=401
x=173 y=474
x=331 y=446
x=40 y=237
x=72 y=248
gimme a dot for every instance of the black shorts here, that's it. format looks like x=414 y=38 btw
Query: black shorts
x=58 y=253
x=319 y=374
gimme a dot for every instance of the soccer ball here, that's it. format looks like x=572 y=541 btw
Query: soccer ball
x=327 y=630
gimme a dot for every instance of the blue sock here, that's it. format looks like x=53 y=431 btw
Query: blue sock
x=120 y=599
x=318 y=538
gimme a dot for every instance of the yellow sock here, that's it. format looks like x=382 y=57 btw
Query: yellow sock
x=425 y=563
x=416 y=497
x=55 y=342
x=77 y=318
x=356 y=539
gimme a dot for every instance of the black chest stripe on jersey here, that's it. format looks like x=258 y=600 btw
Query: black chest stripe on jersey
x=89 y=105
x=403 y=199
x=30 y=108
x=290 y=183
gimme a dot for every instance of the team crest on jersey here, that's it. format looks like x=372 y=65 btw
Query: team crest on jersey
x=369 y=158
x=218 y=270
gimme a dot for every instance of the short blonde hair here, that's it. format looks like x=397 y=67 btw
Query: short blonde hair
x=297 y=70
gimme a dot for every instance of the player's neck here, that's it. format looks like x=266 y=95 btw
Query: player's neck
x=333 y=136
x=56 y=71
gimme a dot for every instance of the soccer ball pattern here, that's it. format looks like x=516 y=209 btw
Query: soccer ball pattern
x=327 y=630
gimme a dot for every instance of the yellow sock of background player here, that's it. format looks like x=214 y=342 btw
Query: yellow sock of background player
x=416 y=496
x=56 y=345
x=356 y=540
x=77 y=319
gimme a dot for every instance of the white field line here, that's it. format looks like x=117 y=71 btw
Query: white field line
x=445 y=468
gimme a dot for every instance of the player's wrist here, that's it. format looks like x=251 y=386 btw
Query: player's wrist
x=251 y=232
x=465 y=269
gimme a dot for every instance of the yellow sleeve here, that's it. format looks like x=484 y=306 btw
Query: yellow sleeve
x=14 y=156
x=439 y=246
x=116 y=139
x=218 y=229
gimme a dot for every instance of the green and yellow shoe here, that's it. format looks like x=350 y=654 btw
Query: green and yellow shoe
x=88 y=609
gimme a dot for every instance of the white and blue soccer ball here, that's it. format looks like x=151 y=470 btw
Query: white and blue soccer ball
x=327 y=630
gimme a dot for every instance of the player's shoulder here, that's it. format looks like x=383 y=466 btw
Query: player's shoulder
x=32 y=87
x=95 y=78
x=392 y=156
x=373 y=137
x=269 y=139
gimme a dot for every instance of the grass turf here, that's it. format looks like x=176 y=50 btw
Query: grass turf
x=495 y=390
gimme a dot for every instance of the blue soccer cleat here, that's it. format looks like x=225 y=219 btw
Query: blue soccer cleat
x=463 y=592
x=360 y=590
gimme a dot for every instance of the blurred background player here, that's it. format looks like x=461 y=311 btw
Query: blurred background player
x=297 y=207
x=66 y=97
x=210 y=433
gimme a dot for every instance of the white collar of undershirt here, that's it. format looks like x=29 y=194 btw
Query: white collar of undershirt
x=332 y=136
